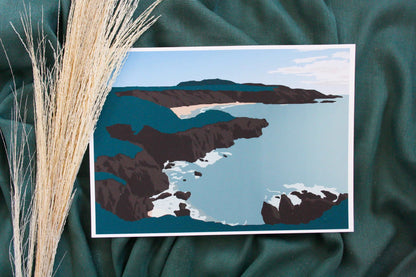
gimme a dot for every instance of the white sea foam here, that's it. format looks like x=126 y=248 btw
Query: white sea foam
x=169 y=205
x=211 y=158
x=182 y=170
x=316 y=189
x=179 y=171
x=294 y=199
x=275 y=201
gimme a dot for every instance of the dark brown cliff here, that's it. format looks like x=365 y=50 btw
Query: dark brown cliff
x=144 y=175
x=191 y=144
x=312 y=206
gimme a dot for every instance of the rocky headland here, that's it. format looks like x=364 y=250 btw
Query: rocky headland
x=274 y=94
x=143 y=174
x=191 y=144
x=311 y=207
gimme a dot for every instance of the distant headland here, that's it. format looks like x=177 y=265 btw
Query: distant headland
x=209 y=91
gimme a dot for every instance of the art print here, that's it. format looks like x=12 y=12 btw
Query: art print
x=226 y=140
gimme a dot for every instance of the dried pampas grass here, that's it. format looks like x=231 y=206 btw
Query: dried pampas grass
x=68 y=99
x=20 y=158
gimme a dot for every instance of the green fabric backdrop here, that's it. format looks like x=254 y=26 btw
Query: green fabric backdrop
x=384 y=241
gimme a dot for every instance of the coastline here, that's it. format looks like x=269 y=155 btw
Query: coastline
x=188 y=110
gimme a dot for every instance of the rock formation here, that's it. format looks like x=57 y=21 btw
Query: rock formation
x=144 y=174
x=312 y=206
x=177 y=97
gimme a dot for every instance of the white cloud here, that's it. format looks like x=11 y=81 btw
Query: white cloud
x=323 y=72
x=342 y=55
x=309 y=60
x=314 y=47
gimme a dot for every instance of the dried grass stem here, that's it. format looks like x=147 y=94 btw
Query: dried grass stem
x=68 y=98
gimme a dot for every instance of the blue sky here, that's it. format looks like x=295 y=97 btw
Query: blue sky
x=324 y=68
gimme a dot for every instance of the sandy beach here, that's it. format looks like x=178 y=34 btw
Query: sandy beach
x=187 y=110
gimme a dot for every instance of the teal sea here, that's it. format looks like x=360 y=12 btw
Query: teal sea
x=305 y=145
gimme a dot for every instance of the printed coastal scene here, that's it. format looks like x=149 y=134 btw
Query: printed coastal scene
x=224 y=140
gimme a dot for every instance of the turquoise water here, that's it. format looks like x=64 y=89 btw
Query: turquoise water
x=304 y=143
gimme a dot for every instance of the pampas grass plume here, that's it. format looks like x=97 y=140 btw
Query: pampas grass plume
x=68 y=98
